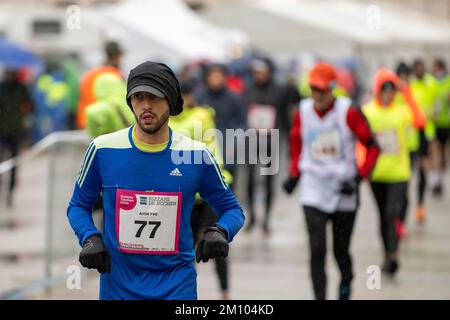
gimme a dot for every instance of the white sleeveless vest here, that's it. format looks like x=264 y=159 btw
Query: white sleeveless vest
x=327 y=158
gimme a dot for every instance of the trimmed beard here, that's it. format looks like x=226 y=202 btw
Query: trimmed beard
x=155 y=127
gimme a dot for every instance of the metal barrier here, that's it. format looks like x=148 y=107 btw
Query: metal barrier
x=65 y=151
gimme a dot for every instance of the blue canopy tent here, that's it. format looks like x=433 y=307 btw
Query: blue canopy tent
x=13 y=56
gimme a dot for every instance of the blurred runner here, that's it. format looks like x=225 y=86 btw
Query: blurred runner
x=290 y=98
x=322 y=145
x=416 y=140
x=112 y=64
x=15 y=104
x=110 y=112
x=442 y=120
x=50 y=96
x=229 y=108
x=389 y=119
x=196 y=122
x=424 y=89
x=149 y=177
x=263 y=101
x=71 y=68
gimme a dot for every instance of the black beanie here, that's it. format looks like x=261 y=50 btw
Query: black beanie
x=160 y=77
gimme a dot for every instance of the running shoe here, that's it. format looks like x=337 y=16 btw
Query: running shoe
x=400 y=229
x=344 y=291
x=390 y=266
x=420 y=214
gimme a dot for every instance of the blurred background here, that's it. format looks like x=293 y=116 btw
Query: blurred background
x=49 y=49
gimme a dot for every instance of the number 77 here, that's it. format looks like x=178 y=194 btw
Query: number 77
x=156 y=225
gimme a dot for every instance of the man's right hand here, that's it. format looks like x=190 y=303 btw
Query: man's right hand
x=94 y=255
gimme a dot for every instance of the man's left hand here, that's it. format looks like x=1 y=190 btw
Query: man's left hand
x=213 y=245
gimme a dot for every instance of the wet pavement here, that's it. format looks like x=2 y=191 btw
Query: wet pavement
x=261 y=267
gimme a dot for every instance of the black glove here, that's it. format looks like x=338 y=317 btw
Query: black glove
x=350 y=186
x=290 y=183
x=94 y=255
x=213 y=245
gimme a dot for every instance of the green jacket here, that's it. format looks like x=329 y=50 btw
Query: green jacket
x=442 y=104
x=425 y=92
x=110 y=112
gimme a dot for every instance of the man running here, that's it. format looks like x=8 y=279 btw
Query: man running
x=424 y=88
x=441 y=115
x=322 y=146
x=148 y=177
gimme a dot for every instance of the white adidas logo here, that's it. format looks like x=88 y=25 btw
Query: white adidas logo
x=176 y=172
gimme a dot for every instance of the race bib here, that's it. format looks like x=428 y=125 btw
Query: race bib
x=388 y=141
x=261 y=116
x=326 y=146
x=148 y=222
